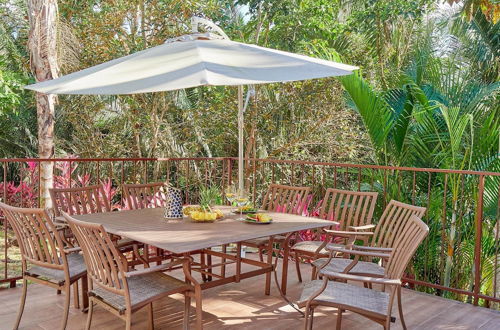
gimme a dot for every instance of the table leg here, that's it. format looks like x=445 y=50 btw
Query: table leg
x=284 y=272
x=209 y=263
x=203 y=264
x=270 y=262
x=223 y=267
x=238 y=261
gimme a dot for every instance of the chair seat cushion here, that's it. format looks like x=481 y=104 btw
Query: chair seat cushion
x=143 y=289
x=76 y=269
x=263 y=241
x=312 y=246
x=348 y=296
x=338 y=265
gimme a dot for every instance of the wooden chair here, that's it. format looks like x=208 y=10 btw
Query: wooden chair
x=392 y=221
x=81 y=200
x=122 y=292
x=90 y=200
x=44 y=258
x=375 y=305
x=349 y=210
x=284 y=199
x=142 y=196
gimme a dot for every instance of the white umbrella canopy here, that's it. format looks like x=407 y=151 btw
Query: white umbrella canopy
x=192 y=63
x=198 y=59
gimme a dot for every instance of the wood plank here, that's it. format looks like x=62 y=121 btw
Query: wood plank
x=182 y=236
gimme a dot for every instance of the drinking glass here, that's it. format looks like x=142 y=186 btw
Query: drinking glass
x=231 y=194
x=241 y=200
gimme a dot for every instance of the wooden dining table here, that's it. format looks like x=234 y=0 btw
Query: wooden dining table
x=183 y=236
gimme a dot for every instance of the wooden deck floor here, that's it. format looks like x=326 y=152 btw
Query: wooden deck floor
x=244 y=306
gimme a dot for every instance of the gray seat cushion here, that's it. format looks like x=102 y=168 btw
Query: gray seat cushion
x=338 y=265
x=347 y=296
x=76 y=264
x=263 y=241
x=312 y=246
x=143 y=289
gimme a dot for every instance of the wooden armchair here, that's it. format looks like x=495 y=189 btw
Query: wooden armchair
x=90 y=200
x=375 y=305
x=381 y=240
x=44 y=257
x=121 y=292
x=284 y=199
x=349 y=210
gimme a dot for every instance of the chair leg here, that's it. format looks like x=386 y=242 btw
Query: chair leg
x=306 y=318
x=187 y=312
x=261 y=254
x=387 y=325
x=67 y=292
x=199 y=310
x=339 y=319
x=400 y=307
x=311 y=319
x=284 y=274
x=314 y=273
x=128 y=322
x=89 y=316
x=297 y=266
x=21 y=307
x=76 y=296
x=85 y=293
x=151 y=324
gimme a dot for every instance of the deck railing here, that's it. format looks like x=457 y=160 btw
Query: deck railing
x=459 y=259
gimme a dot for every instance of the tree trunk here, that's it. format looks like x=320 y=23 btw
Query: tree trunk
x=42 y=42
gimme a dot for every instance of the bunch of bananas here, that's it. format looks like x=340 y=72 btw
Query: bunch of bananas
x=199 y=213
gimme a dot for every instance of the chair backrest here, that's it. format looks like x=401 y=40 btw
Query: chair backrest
x=81 y=200
x=142 y=196
x=105 y=265
x=410 y=236
x=38 y=239
x=392 y=221
x=286 y=199
x=349 y=208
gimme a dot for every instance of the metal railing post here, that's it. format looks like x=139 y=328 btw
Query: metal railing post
x=477 y=240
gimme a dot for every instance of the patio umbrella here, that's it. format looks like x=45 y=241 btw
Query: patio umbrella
x=197 y=59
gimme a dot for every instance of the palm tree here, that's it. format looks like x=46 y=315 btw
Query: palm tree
x=43 y=50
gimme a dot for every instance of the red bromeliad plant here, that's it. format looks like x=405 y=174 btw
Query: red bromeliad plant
x=25 y=192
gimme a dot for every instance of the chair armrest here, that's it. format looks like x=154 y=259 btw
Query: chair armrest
x=72 y=250
x=348 y=233
x=372 y=248
x=334 y=223
x=365 y=279
x=158 y=268
x=358 y=253
x=365 y=227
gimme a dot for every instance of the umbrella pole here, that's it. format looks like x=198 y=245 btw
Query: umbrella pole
x=241 y=182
